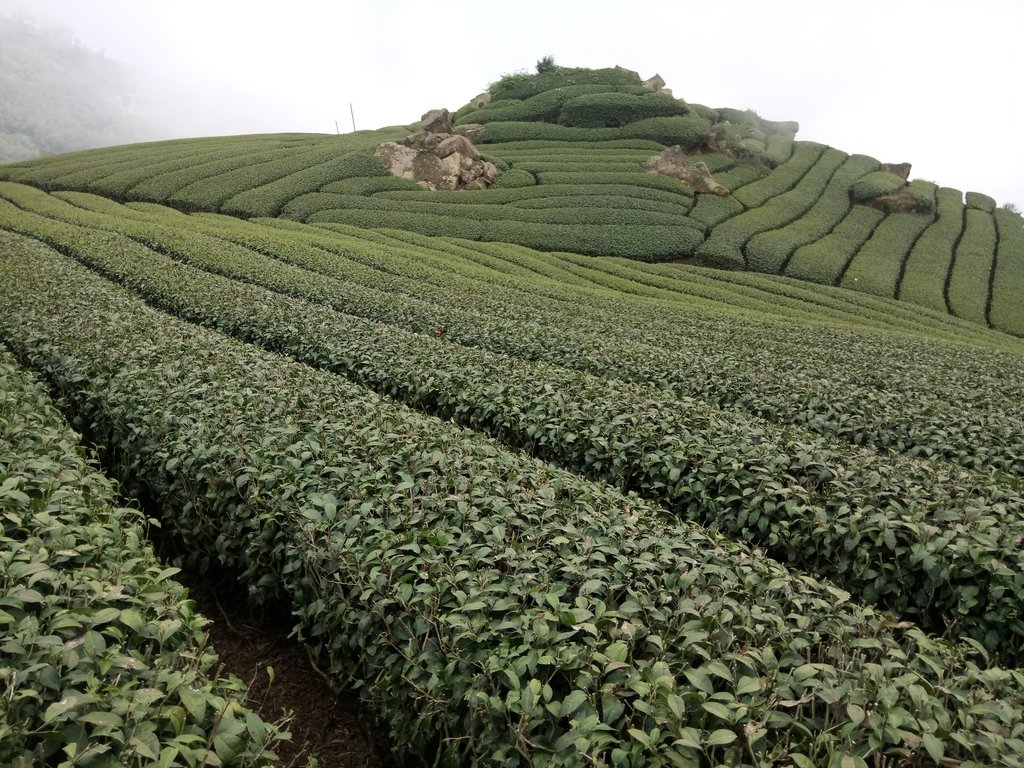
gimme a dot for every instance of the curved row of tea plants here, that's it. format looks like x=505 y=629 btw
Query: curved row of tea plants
x=103 y=658
x=556 y=623
x=611 y=124
x=725 y=246
x=826 y=260
x=971 y=271
x=841 y=392
x=772 y=251
x=927 y=268
x=901 y=533
x=1007 y=310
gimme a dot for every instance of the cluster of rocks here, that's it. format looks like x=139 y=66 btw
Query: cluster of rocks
x=674 y=162
x=440 y=156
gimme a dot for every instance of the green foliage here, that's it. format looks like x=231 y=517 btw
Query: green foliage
x=876 y=184
x=611 y=110
x=771 y=251
x=728 y=240
x=688 y=131
x=824 y=260
x=544 y=107
x=523 y=85
x=648 y=242
x=712 y=210
x=103 y=656
x=968 y=290
x=709 y=114
x=931 y=259
x=980 y=202
x=269 y=198
x=746 y=117
x=514 y=178
x=1007 y=310
x=779 y=148
x=783 y=178
x=636 y=179
x=878 y=264
x=546 y=65
x=370 y=185
x=539 y=615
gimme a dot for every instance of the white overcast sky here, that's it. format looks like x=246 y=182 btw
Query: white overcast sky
x=939 y=84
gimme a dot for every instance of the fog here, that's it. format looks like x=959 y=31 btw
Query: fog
x=936 y=84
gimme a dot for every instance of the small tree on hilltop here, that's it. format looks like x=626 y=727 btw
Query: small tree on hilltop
x=545 y=65
x=1012 y=208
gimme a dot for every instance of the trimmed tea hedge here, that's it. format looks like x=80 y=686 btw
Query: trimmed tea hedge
x=612 y=110
x=1007 y=310
x=972 y=266
x=825 y=260
x=725 y=246
x=771 y=251
x=876 y=184
x=979 y=201
x=878 y=265
x=103 y=656
x=844 y=487
x=523 y=86
x=930 y=260
x=268 y=199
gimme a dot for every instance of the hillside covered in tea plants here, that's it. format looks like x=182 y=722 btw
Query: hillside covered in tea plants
x=537 y=485
x=571 y=146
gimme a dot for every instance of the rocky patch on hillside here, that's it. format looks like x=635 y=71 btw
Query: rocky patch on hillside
x=440 y=156
x=676 y=163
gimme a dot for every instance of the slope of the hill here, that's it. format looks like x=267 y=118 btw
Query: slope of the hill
x=571 y=146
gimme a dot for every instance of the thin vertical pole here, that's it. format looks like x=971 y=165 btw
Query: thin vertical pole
x=352 y=112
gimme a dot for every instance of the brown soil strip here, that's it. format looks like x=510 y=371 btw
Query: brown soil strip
x=335 y=729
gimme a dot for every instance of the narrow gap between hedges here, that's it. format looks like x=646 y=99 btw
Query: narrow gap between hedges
x=329 y=729
x=335 y=729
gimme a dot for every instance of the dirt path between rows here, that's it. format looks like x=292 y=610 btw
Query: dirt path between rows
x=334 y=729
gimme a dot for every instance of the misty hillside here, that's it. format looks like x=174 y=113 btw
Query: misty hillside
x=58 y=96
x=582 y=161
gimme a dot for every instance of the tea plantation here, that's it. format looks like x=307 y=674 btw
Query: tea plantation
x=541 y=493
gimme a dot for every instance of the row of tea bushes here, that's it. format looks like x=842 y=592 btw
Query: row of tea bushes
x=771 y=251
x=103 y=659
x=493 y=608
x=1007 y=310
x=926 y=269
x=877 y=267
x=971 y=271
x=727 y=242
x=826 y=260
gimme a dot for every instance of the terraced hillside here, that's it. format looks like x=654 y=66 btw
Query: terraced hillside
x=538 y=506
x=571 y=145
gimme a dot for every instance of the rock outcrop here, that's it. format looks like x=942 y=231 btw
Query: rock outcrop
x=900 y=169
x=676 y=163
x=656 y=84
x=440 y=156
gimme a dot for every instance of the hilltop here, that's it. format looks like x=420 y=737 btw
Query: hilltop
x=571 y=147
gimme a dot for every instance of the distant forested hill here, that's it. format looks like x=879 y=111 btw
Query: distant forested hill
x=57 y=96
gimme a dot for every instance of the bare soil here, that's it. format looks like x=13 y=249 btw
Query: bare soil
x=334 y=728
